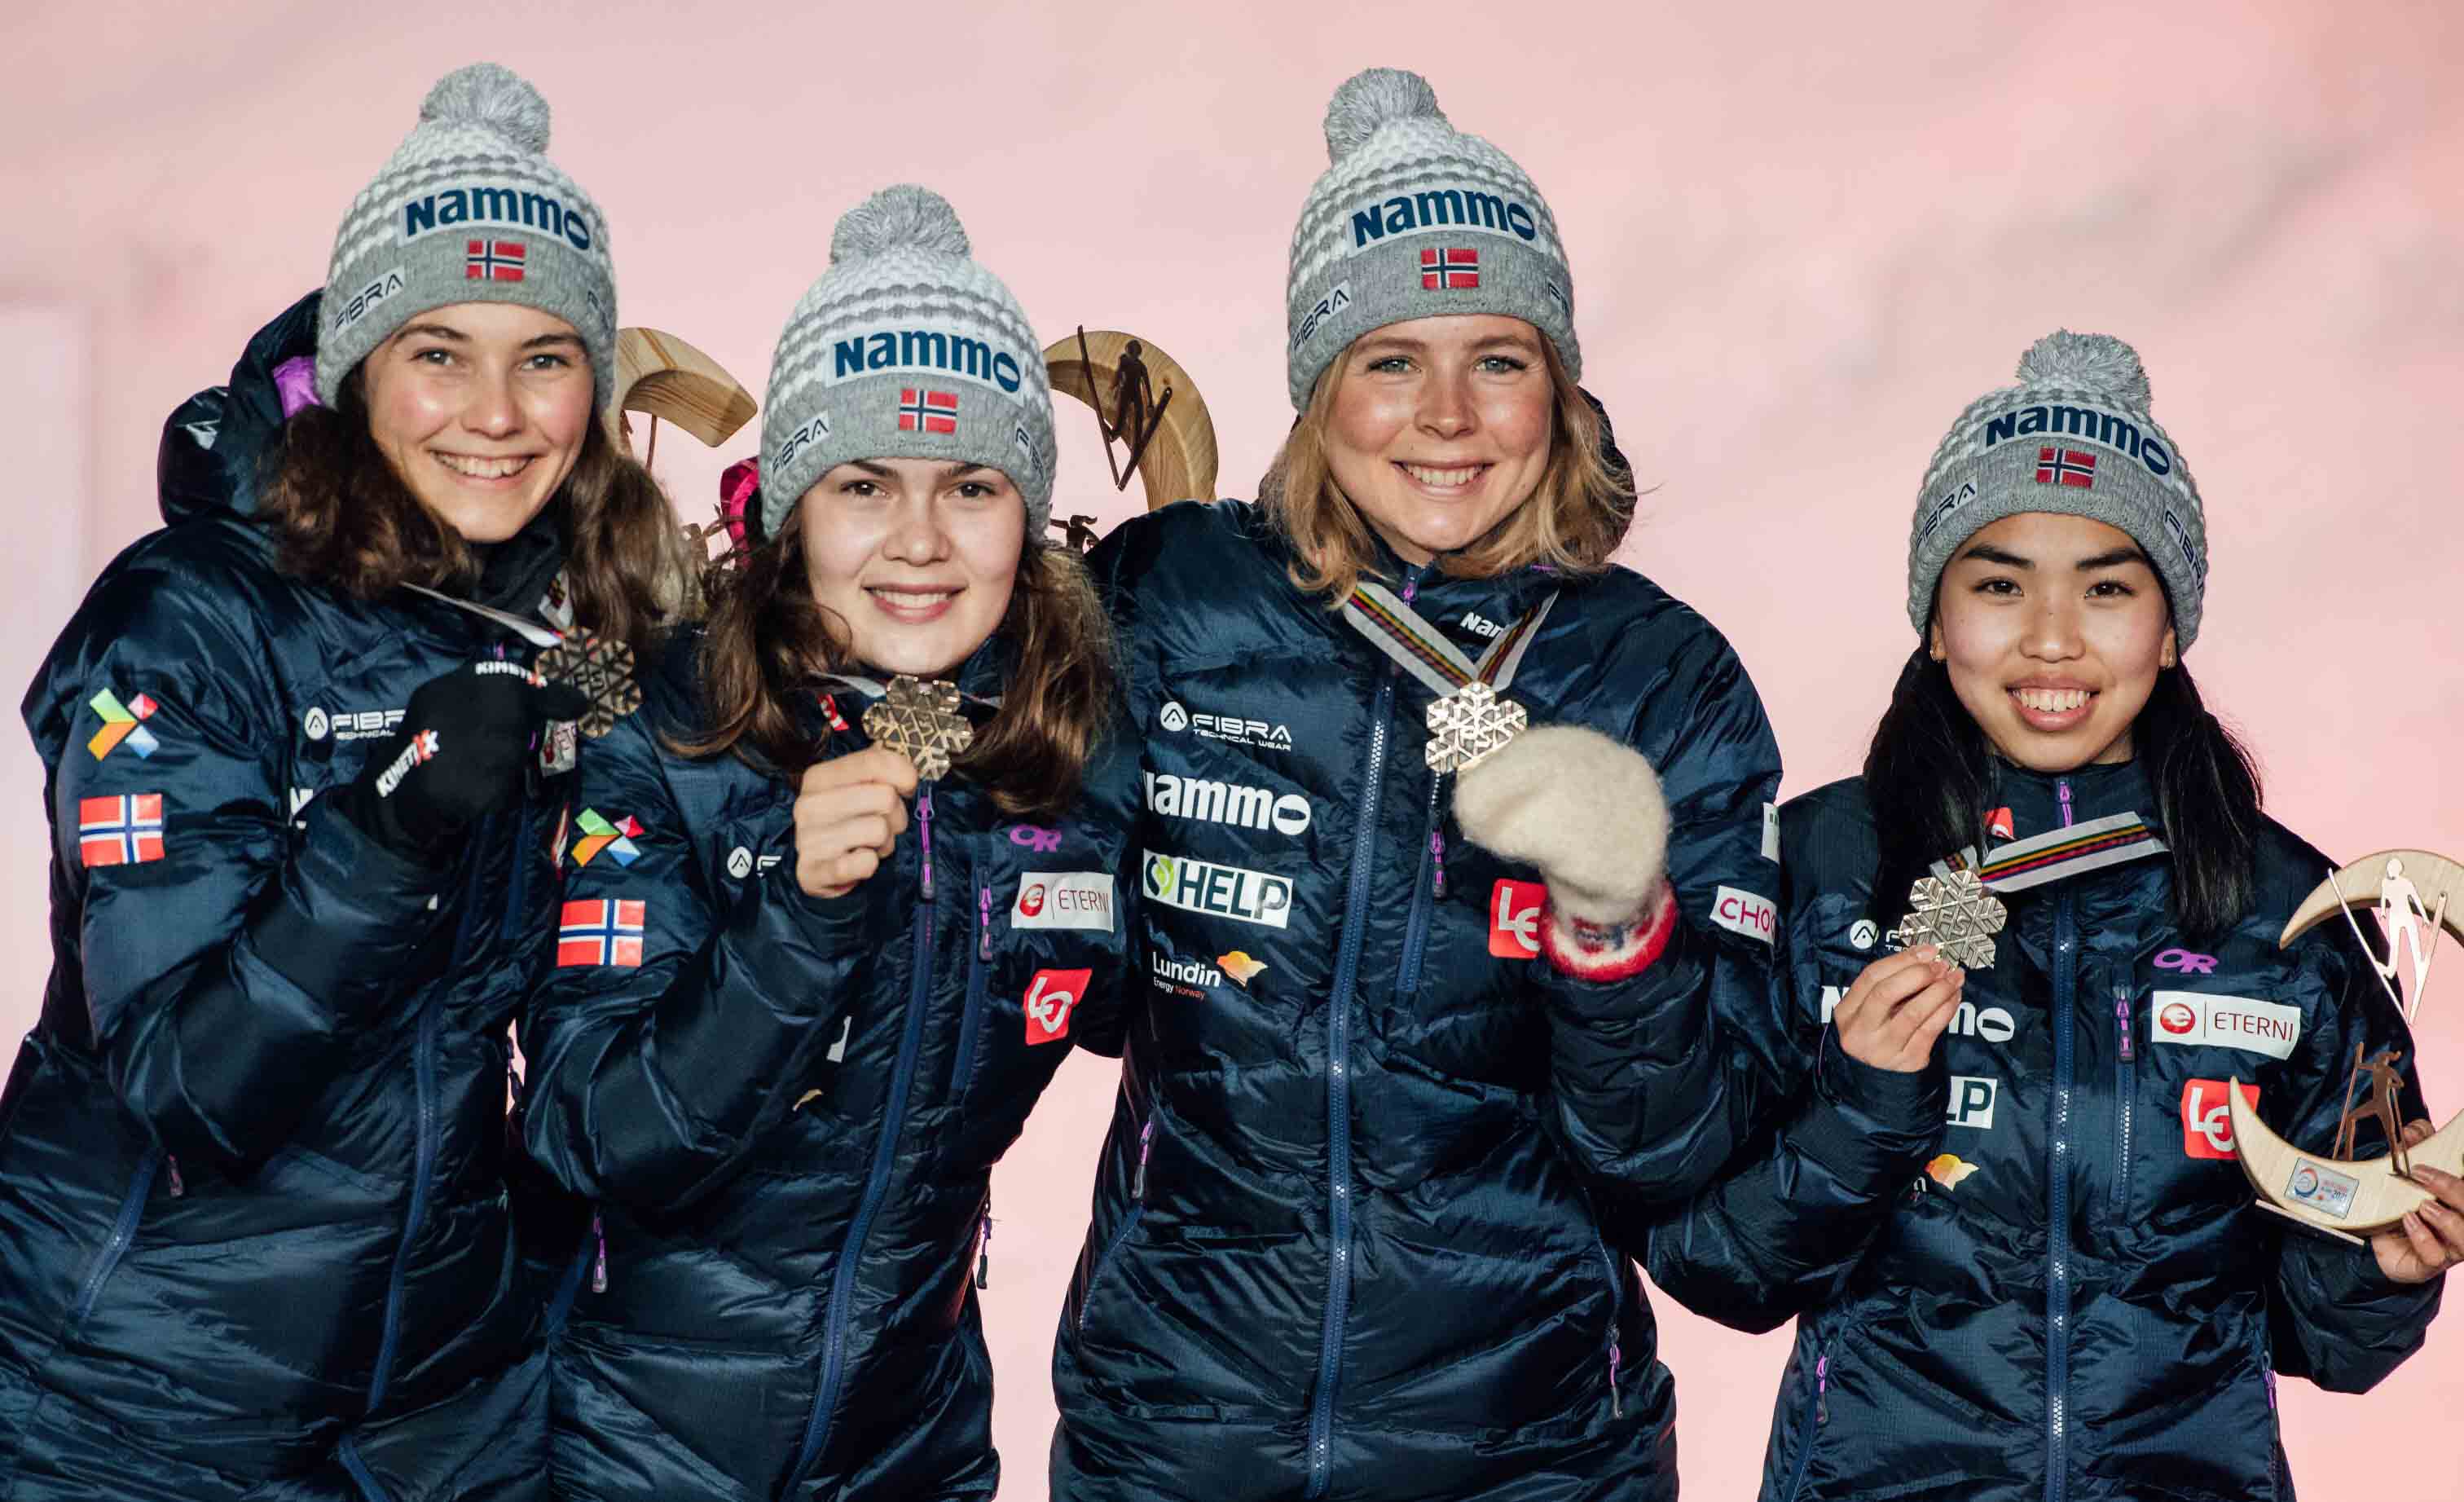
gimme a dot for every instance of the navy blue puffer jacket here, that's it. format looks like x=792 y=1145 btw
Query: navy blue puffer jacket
x=788 y=1109
x=1350 y=1234
x=2044 y=1277
x=253 y=1226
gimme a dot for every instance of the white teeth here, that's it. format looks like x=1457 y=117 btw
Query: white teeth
x=908 y=599
x=2053 y=701
x=1442 y=478
x=482 y=469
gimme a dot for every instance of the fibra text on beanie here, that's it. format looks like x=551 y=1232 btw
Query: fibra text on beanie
x=2073 y=437
x=1415 y=219
x=469 y=209
x=906 y=349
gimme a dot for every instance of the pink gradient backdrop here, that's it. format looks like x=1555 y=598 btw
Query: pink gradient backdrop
x=1804 y=237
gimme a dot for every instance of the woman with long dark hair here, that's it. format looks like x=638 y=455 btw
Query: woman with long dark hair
x=254 y=1237
x=2004 y=1198
x=1418 y=1006
x=828 y=939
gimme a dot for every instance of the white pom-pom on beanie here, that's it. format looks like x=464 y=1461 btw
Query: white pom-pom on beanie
x=2073 y=437
x=906 y=347
x=469 y=209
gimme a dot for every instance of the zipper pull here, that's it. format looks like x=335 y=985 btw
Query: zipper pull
x=1146 y=1140
x=1436 y=839
x=924 y=817
x=2063 y=790
x=1821 y=1389
x=985 y=920
x=984 y=1250
x=1617 y=1399
x=178 y=1186
x=2121 y=1019
x=599 y=1263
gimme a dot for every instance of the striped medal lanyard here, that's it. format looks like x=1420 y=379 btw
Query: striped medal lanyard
x=1471 y=720
x=1958 y=908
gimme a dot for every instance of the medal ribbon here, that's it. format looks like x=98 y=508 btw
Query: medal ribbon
x=1399 y=631
x=875 y=688
x=531 y=631
x=2057 y=854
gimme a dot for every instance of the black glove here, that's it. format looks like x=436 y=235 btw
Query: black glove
x=466 y=745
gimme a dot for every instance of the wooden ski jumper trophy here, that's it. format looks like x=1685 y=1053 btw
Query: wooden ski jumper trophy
x=1144 y=402
x=2415 y=895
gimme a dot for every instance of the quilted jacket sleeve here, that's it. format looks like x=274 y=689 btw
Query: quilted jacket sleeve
x=1652 y=1089
x=2333 y=1316
x=224 y=958
x=678 y=1026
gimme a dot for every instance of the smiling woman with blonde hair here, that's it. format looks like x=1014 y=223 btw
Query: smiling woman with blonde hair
x=1420 y=1010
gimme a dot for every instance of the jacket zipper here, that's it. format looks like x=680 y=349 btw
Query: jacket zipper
x=1817 y=1415
x=973 y=1024
x=876 y=1184
x=1338 y=1087
x=1129 y=1221
x=598 y=1258
x=123 y=1230
x=2125 y=1099
x=2057 y=1249
x=984 y=1247
x=1425 y=894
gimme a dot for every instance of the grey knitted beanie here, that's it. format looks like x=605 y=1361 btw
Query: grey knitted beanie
x=2074 y=436
x=1416 y=219
x=906 y=349
x=469 y=210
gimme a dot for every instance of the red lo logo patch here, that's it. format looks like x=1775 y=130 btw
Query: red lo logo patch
x=1514 y=919
x=1050 y=998
x=2207 y=1121
x=2174 y=1017
x=1030 y=901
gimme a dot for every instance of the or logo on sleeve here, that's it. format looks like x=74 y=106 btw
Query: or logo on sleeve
x=121 y=725
x=123 y=830
x=1050 y=998
x=2206 y=1119
x=601 y=931
x=1971 y=1101
x=598 y=834
x=2199 y=1019
x=1514 y=918
x=1232 y=892
x=1064 y=899
x=1745 y=912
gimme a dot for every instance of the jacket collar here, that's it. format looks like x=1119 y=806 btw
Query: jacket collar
x=2038 y=800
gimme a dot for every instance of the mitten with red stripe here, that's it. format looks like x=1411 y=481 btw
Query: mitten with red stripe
x=1588 y=812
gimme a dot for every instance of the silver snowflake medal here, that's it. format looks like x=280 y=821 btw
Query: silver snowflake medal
x=919 y=720
x=1957 y=915
x=1470 y=725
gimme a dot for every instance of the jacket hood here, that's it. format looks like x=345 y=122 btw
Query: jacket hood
x=213 y=442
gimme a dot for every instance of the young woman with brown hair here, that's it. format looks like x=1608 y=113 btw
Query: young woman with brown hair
x=255 y=1236
x=1415 y=1026
x=827 y=939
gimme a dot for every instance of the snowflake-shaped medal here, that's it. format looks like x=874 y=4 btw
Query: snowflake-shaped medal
x=602 y=670
x=1956 y=914
x=919 y=720
x=1470 y=725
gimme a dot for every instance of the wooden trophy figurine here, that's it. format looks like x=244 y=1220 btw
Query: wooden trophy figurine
x=2334 y=1192
x=1144 y=402
x=660 y=375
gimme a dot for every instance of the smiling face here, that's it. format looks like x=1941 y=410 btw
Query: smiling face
x=2054 y=628
x=917 y=557
x=1440 y=428
x=481 y=408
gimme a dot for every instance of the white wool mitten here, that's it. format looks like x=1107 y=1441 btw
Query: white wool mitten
x=1589 y=813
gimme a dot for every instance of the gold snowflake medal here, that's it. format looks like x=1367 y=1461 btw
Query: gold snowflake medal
x=1471 y=720
x=920 y=719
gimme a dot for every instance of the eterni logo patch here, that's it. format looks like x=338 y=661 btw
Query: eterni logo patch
x=2199 y=1019
x=1064 y=899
